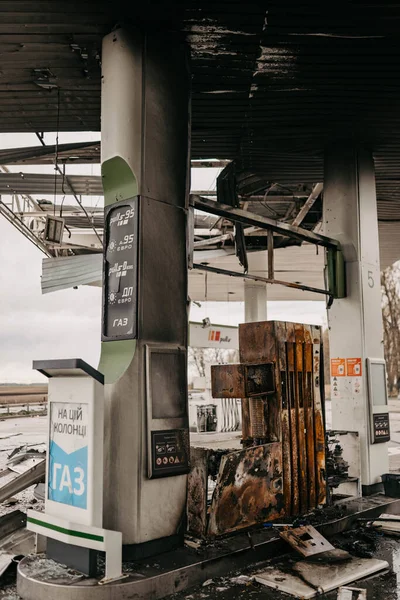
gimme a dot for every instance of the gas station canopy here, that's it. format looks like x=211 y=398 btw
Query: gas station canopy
x=272 y=86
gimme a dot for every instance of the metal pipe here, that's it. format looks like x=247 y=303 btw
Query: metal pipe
x=296 y=286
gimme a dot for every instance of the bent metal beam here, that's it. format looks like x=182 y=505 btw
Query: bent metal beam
x=243 y=216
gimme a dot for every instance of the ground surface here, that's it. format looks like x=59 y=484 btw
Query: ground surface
x=15 y=433
x=379 y=587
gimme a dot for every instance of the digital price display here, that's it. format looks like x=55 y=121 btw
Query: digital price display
x=120 y=271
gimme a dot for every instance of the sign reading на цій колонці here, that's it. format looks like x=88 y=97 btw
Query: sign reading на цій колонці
x=68 y=454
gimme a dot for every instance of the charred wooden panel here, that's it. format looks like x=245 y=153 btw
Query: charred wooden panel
x=242 y=381
x=257 y=419
x=290 y=347
x=299 y=363
x=309 y=415
x=256 y=342
x=246 y=434
x=267 y=347
x=249 y=489
x=283 y=393
x=228 y=381
x=260 y=379
x=319 y=398
x=197 y=491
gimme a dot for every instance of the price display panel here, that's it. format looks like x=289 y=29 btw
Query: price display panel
x=120 y=271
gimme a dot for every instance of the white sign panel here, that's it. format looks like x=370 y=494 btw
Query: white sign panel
x=68 y=454
x=214 y=336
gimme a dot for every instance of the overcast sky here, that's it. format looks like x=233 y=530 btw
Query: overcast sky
x=66 y=324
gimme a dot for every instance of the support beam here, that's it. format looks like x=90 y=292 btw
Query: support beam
x=308 y=204
x=145 y=162
x=248 y=218
x=355 y=322
x=255 y=291
x=296 y=286
x=270 y=254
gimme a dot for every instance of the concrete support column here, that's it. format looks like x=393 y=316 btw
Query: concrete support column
x=355 y=322
x=255 y=292
x=145 y=140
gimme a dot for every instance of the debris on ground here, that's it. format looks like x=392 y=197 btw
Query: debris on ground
x=20 y=481
x=389 y=524
x=361 y=542
x=25 y=466
x=347 y=593
x=308 y=580
x=306 y=540
x=193 y=543
x=241 y=580
x=331 y=556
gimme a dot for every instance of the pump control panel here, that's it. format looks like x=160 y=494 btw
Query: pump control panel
x=167 y=412
x=169 y=452
x=378 y=401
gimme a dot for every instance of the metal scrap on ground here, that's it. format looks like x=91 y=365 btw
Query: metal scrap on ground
x=347 y=593
x=388 y=524
x=14 y=539
x=26 y=467
x=306 y=540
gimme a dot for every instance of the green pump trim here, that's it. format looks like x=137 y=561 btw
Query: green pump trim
x=119 y=183
x=336 y=268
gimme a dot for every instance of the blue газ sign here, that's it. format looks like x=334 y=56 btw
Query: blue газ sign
x=68 y=454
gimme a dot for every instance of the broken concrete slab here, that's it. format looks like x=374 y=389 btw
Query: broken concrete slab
x=388 y=524
x=350 y=593
x=285 y=582
x=308 y=580
x=331 y=556
x=330 y=577
x=34 y=475
x=5 y=562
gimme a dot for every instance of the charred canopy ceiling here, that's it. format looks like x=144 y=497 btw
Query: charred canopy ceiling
x=272 y=82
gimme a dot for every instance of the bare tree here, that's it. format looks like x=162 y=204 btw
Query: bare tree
x=200 y=359
x=390 y=284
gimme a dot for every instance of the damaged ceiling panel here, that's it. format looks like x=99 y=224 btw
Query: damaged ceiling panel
x=272 y=85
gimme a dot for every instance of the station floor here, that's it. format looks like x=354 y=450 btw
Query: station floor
x=384 y=586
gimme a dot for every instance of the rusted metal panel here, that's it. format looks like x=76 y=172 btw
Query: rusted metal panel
x=246 y=434
x=255 y=341
x=262 y=337
x=309 y=415
x=228 y=381
x=290 y=334
x=318 y=418
x=283 y=393
x=260 y=379
x=299 y=363
x=257 y=420
x=197 y=491
x=242 y=381
x=306 y=540
x=249 y=489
